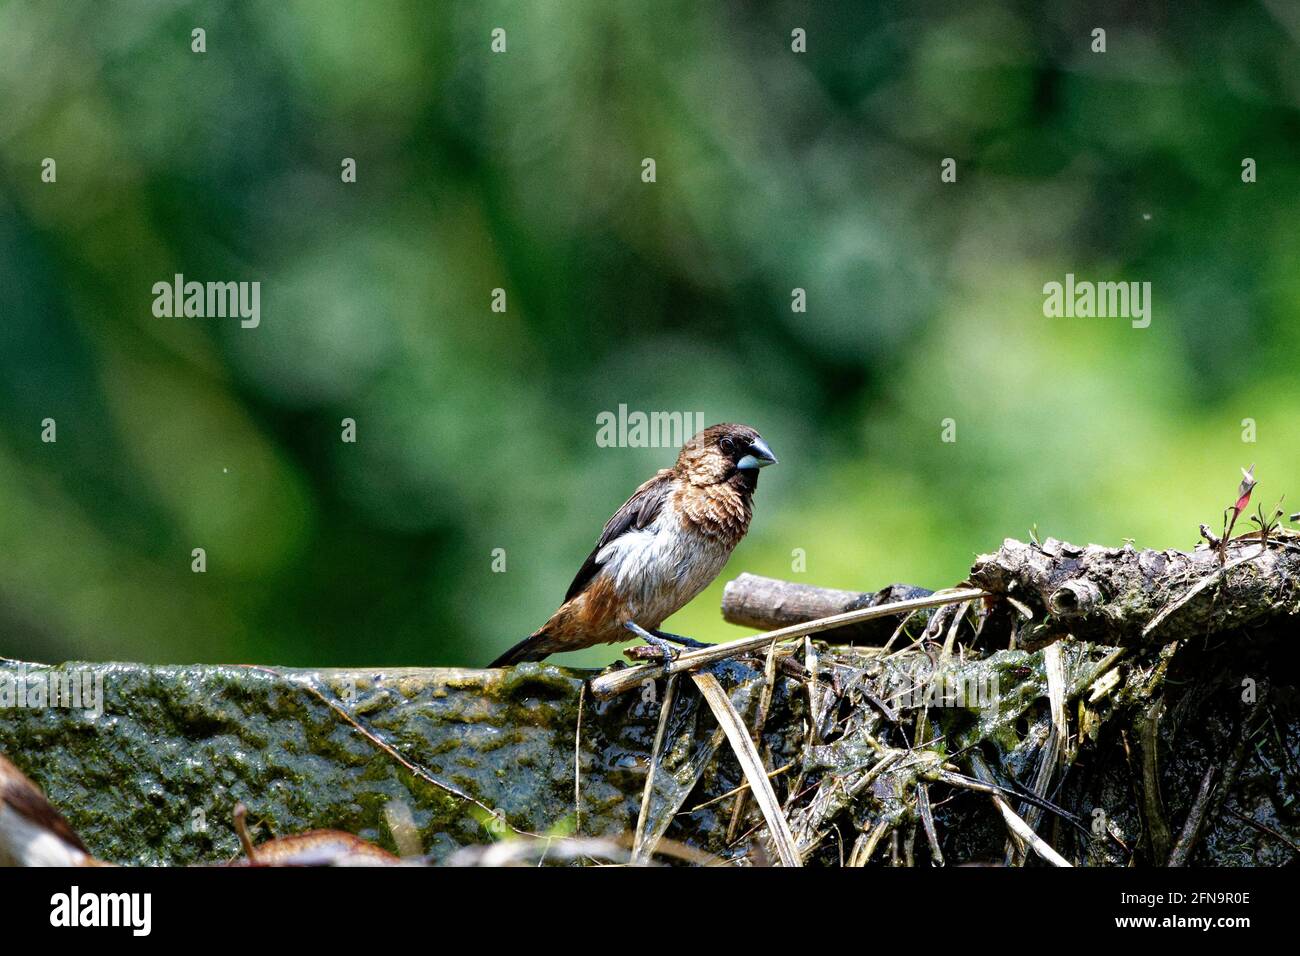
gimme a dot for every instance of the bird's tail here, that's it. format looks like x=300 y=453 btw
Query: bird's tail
x=531 y=648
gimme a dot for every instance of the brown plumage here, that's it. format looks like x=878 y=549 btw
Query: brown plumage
x=661 y=548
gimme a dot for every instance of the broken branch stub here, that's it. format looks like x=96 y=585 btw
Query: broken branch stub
x=752 y=600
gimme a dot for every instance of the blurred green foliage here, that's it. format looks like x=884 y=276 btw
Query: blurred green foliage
x=521 y=170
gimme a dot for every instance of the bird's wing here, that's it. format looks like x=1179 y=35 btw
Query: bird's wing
x=637 y=512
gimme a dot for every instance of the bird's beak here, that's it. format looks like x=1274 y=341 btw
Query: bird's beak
x=760 y=456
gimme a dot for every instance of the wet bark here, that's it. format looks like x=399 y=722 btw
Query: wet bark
x=1130 y=597
x=768 y=603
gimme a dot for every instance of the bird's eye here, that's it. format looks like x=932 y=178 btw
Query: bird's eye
x=727 y=445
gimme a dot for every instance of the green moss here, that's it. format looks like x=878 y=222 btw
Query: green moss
x=153 y=780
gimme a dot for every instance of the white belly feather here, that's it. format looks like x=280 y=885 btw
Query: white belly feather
x=661 y=567
x=24 y=843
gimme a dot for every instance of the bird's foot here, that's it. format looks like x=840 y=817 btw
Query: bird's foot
x=680 y=639
x=652 y=638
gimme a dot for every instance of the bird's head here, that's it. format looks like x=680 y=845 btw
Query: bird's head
x=724 y=453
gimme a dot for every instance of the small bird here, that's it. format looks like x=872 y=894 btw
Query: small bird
x=661 y=549
x=32 y=832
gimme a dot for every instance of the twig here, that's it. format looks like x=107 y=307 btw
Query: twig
x=932 y=628
x=640 y=853
x=388 y=748
x=1053 y=747
x=812 y=685
x=876 y=769
x=866 y=844
x=760 y=721
x=1264 y=828
x=1147 y=725
x=862 y=687
x=993 y=789
x=927 y=821
x=743 y=746
x=1236 y=759
x=1192 y=828
x=241 y=830
x=534 y=852
x=666 y=846
x=897 y=631
x=739 y=791
x=577 y=765
x=858 y=844
x=619 y=681
x=957 y=617
x=1013 y=821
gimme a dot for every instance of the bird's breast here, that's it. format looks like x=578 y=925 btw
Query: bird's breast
x=656 y=570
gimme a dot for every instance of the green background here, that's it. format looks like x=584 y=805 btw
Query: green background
x=521 y=170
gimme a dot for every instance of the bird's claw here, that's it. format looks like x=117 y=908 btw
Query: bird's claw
x=681 y=639
x=666 y=650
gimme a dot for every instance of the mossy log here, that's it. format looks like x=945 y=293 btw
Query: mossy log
x=155 y=777
x=1131 y=597
x=1179 y=743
